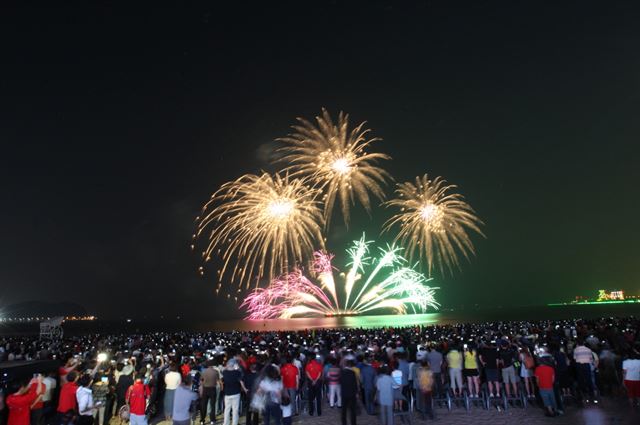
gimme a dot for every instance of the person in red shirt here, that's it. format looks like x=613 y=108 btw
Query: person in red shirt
x=313 y=370
x=137 y=396
x=185 y=369
x=64 y=370
x=68 y=401
x=291 y=381
x=545 y=375
x=38 y=386
x=19 y=403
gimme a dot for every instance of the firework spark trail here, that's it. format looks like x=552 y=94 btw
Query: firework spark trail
x=433 y=223
x=358 y=253
x=293 y=294
x=323 y=268
x=286 y=296
x=334 y=158
x=389 y=258
x=404 y=281
x=260 y=225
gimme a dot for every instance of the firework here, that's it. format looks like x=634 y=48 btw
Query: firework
x=260 y=225
x=334 y=158
x=287 y=296
x=433 y=222
x=399 y=288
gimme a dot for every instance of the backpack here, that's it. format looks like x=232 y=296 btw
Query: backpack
x=529 y=363
x=425 y=380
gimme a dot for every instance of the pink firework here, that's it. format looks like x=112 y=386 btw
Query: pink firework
x=383 y=282
x=322 y=262
x=287 y=295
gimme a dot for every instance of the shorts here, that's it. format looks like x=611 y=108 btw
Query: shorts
x=525 y=373
x=633 y=388
x=491 y=375
x=509 y=375
x=397 y=394
x=471 y=372
x=548 y=398
x=137 y=419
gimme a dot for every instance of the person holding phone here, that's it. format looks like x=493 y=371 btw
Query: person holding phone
x=86 y=405
x=20 y=402
x=100 y=392
x=38 y=385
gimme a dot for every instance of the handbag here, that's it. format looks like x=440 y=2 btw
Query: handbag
x=258 y=401
x=124 y=414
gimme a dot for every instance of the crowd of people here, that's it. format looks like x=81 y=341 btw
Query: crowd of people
x=275 y=376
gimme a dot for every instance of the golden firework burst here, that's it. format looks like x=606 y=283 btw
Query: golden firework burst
x=433 y=222
x=334 y=159
x=261 y=225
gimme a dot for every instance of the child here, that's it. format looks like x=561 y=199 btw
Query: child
x=398 y=398
x=287 y=411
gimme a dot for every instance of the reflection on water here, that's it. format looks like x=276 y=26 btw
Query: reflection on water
x=328 y=322
x=441 y=317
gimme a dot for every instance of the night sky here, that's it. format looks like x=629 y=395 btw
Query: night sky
x=116 y=125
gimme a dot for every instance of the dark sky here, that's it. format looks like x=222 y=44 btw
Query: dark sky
x=116 y=124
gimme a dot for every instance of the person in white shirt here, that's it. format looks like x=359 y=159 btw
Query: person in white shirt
x=84 y=396
x=47 y=398
x=631 y=376
x=51 y=384
x=172 y=380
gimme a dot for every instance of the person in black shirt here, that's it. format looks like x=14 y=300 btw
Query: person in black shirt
x=232 y=385
x=508 y=356
x=489 y=360
x=249 y=379
x=349 y=392
x=124 y=382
